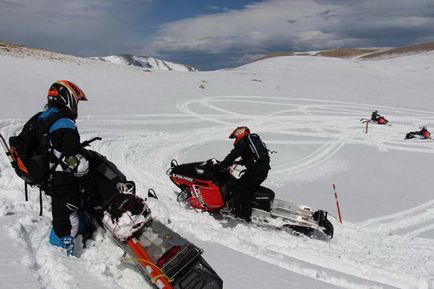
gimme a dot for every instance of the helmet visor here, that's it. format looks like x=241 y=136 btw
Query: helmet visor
x=232 y=135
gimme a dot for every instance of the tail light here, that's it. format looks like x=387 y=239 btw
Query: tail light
x=168 y=255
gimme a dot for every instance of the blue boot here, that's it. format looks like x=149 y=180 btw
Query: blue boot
x=66 y=242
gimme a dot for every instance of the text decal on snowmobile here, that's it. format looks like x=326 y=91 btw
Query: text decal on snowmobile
x=183 y=178
x=197 y=194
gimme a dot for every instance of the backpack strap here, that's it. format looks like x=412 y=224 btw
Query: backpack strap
x=44 y=130
x=40 y=197
x=47 y=123
x=40 y=202
x=26 y=192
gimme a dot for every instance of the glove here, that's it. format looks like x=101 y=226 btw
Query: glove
x=211 y=163
x=216 y=167
x=78 y=164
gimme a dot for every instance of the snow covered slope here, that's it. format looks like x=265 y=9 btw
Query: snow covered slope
x=145 y=62
x=306 y=108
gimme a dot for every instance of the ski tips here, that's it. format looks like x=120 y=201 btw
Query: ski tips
x=152 y=194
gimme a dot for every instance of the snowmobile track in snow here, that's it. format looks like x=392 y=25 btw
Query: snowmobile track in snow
x=366 y=255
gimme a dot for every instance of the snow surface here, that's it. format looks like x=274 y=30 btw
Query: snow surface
x=308 y=109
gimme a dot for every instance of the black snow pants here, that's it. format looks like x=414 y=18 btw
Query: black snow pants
x=243 y=191
x=65 y=202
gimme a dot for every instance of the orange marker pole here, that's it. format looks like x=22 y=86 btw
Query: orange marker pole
x=337 y=204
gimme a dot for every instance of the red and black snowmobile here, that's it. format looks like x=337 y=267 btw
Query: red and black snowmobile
x=381 y=120
x=204 y=188
x=421 y=134
x=167 y=260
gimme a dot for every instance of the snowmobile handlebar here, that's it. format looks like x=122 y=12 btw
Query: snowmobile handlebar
x=88 y=142
x=211 y=163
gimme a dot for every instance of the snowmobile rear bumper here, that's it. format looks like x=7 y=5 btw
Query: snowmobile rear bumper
x=169 y=261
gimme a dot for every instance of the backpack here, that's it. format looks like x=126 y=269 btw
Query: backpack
x=258 y=148
x=30 y=149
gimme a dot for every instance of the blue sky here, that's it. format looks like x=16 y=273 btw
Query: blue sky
x=169 y=10
x=212 y=34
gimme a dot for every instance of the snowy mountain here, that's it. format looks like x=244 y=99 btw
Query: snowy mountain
x=363 y=53
x=146 y=62
x=308 y=109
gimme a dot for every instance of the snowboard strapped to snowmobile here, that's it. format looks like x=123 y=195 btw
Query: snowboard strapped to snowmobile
x=204 y=188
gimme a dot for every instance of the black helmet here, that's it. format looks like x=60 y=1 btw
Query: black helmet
x=65 y=94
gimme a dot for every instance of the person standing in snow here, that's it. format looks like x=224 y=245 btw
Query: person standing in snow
x=254 y=156
x=69 y=162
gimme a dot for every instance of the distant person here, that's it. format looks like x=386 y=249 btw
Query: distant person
x=423 y=133
x=376 y=117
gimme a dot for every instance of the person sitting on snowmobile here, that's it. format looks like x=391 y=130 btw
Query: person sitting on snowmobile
x=376 y=117
x=70 y=174
x=423 y=133
x=254 y=156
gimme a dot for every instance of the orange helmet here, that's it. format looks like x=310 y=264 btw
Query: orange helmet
x=239 y=133
x=66 y=94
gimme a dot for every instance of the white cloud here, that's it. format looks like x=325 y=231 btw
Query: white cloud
x=298 y=25
x=100 y=27
x=76 y=26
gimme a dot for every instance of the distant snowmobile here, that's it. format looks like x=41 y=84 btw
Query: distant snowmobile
x=167 y=260
x=206 y=189
x=421 y=134
x=376 y=118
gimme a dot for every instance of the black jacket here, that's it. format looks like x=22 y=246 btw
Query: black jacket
x=251 y=156
x=65 y=140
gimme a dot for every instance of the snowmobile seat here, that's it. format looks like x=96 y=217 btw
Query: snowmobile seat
x=263 y=198
x=193 y=170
